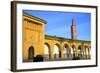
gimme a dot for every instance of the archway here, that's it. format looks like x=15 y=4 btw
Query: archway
x=47 y=51
x=31 y=53
x=73 y=51
x=66 y=51
x=80 y=51
x=89 y=52
x=57 y=51
x=86 y=52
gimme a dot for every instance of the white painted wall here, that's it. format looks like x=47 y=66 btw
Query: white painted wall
x=5 y=37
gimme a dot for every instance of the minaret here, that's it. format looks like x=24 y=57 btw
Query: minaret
x=73 y=30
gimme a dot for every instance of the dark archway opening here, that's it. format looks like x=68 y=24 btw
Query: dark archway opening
x=74 y=51
x=59 y=50
x=67 y=51
x=31 y=53
x=80 y=51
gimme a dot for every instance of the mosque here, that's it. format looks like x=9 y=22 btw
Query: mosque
x=51 y=48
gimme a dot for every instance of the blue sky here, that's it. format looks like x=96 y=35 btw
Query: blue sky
x=59 y=23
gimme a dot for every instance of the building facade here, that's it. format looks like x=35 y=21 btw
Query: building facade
x=35 y=42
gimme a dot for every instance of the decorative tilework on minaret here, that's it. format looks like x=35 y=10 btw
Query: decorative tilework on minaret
x=73 y=30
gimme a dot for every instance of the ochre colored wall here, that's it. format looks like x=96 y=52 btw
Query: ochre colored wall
x=52 y=42
x=33 y=35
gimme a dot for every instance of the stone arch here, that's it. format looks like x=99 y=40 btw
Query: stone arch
x=87 y=51
x=66 y=51
x=73 y=51
x=31 y=52
x=80 y=51
x=57 y=51
x=47 y=52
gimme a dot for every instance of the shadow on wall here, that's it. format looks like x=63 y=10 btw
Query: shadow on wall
x=38 y=58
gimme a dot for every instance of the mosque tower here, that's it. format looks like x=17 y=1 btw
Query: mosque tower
x=73 y=30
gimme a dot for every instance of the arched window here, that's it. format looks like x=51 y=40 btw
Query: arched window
x=31 y=52
x=66 y=51
x=47 y=51
x=57 y=51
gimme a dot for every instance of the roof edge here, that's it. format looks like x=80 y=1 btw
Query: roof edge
x=34 y=17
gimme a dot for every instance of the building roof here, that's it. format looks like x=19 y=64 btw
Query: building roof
x=64 y=39
x=34 y=17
